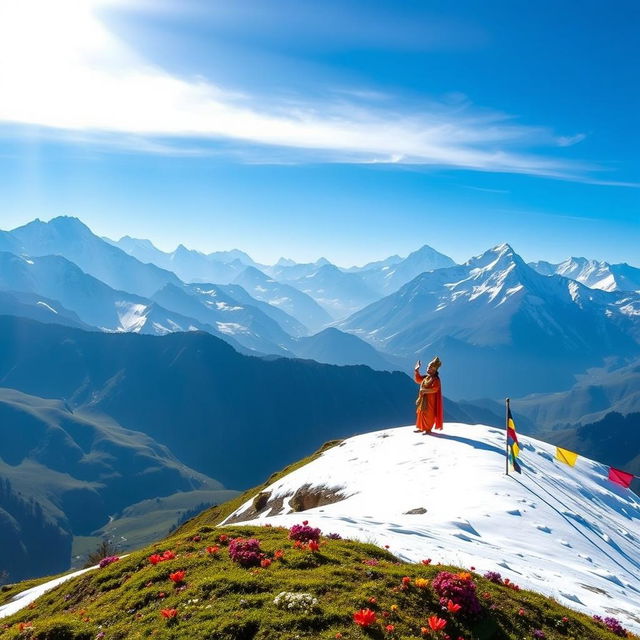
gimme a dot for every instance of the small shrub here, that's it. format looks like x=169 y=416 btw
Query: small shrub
x=460 y=589
x=613 y=624
x=292 y=601
x=245 y=552
x=304 y=533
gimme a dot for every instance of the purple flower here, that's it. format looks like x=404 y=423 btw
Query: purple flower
x=613 y=625
x=246 y=553
x=538 y=633
x=460 y=589
x=304 y=533
x=334 y=536
x=105 y=562
x=493 y=576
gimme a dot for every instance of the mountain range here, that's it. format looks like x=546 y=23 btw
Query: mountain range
x=500 y=327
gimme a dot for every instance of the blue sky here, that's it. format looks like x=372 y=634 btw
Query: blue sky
x=351 y=129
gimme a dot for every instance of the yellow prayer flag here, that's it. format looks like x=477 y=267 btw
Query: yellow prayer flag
x=511 y=423
x=568 y=457
x=516 y=449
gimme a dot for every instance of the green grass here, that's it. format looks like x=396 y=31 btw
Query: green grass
x=222 y=601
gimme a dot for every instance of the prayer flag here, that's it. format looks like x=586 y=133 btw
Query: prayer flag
x=513 y=446
x=620 y=477
x=568 y=457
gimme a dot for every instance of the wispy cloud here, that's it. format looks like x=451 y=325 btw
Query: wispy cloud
x=68 y=73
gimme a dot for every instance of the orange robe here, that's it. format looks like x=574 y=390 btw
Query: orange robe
x=429 y=413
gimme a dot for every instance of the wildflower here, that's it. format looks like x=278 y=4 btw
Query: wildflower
x=279 y=554
x=372 y=600
x=212 y=550
x=421 y=583
x=223 y=538
x=364 y=617
x=196 y=538
x=452 y=607
x=162 y=594
x=304 y=533
x=334 y=536
x=424 y=631
x=338 y=635
x=305 y=522
x=394 y=607
x=313 y=546
x=521 y=612
x=389 y=628
x=168 y=555
x=426 y=562
x=169 y=613
x=155 y=558
x=265 y=562
x=177 y=576
x=406 y=581
x=105 y=562
x=464 y=575
x=25 y=625
x=437 y=624
x=246 y=553
x=386 y=546
x=538 y=633
x=292 y=601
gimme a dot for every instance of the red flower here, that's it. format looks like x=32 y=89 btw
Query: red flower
x=452 y=607
x=437 y=624
x=213 y=549
x=426 y=562
x=223 y=537
x=372 y=600
x=155 y=558
x=168 y=555
x=364 y=617
x=169 y=613
x=265 y=562
x=279 y=554
x=313 y=546
x=390 y=628
x=406 y=581
x=305 y=522
x=196 y=538
x=338 y=635
x=24 y=625
x=162 y=594
x=177 y=576
x=520 y=612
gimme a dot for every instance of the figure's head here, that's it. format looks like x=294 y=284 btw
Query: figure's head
x=433 y=366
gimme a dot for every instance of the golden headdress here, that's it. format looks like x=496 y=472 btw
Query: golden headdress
x=435 y=363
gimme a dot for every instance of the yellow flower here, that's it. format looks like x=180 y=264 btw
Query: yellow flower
x=421 y=583
x=394 y=607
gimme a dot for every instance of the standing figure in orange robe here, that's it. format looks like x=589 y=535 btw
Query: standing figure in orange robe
x=429 y=413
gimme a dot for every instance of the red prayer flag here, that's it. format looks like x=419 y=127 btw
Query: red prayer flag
x=620 y=477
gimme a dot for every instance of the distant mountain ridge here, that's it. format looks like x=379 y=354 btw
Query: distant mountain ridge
x=593 y=274
x=194 y=393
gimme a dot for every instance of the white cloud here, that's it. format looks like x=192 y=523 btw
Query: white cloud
x=60 y=68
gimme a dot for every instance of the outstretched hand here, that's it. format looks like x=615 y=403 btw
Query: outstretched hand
x=418 y=364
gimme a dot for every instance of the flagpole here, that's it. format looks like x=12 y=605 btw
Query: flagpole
x=506 y=433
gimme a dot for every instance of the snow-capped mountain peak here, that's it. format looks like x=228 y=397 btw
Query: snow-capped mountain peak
x=566 y=532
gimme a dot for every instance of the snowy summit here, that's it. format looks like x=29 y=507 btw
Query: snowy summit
x=566 y=532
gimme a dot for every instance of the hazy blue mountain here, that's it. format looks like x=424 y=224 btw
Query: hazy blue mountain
x=289 y=270
x=339 y=293
x=70 y=238
x=81 y=468
x=495 y=314
x=333 y=346
x=212 y=305
x=377 y=264
x=190 y=265
x=94 y=302
x=389 y=275
x=596 y=394
x=288 y=322
x=594 y=274
x=283 y=296
x=232 y=417
x=40 y=308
